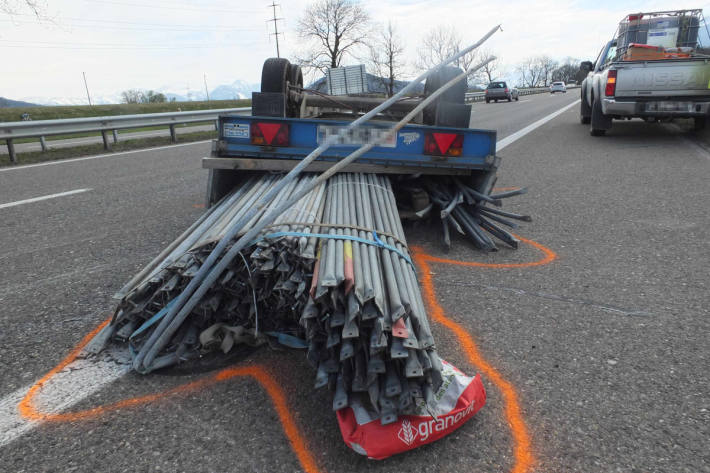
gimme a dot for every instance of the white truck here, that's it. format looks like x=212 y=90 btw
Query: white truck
x=653 y=69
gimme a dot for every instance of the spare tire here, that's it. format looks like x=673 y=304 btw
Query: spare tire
x=456 y=94
x=296 y=75
x=275 y=74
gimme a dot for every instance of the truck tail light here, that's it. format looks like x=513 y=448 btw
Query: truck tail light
x=506 y=90
x=269 y=134
x=443 y=144
x=610 y=89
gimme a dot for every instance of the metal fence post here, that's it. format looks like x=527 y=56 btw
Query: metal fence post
x=43 y=143
x=11 y=151
x=104 y=135
x=115 y=136
x=173 y=136
x=216 y=125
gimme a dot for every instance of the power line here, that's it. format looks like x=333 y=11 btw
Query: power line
x=171 y=6
x=138 y=27
x=276 y=29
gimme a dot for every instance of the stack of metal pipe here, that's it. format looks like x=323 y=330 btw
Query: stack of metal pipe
x=362 y=319
x=365 y=322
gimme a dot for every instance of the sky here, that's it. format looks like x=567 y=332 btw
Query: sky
x=173 y=45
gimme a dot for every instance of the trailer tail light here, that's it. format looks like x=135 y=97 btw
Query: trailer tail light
x=443 y=144
x=269 y=134
x=610 y=89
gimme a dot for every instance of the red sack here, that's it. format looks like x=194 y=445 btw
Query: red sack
x=458 y=399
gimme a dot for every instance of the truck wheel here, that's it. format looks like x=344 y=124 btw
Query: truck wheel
x=699 y=123
x=517 y=98
x=585 y=111
x=274 y=75
x=599 y=123
x=488 y=100
x=509 y=99
x=456 y=94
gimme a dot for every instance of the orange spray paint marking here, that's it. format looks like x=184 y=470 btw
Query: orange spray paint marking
x=522 y=447
x=549 y=257
x=198 y=206
x=505 y=189
x=28 y=410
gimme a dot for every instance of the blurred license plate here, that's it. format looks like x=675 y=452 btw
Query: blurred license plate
x=669 y=106
x=355 y=137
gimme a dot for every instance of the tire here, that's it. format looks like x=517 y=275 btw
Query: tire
x=275 y=74
x=599 y=123
x=510 y=99
x=496 y=100
x=699 y=123
x=295 y=78
x=517 y=98
x=585 y=111
x=488 y=100
x=456 y=94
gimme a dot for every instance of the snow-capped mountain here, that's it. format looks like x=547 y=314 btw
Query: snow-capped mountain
x=238 y=89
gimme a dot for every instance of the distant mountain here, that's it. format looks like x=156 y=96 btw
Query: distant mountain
x=15 y=103
x=238 y=89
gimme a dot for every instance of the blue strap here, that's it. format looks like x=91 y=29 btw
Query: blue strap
x=151 y=321
x=288 y=340
x=376 y=242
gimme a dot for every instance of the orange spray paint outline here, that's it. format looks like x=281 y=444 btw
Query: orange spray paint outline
x=524 y=458
x=28 y=411
x=522 y=449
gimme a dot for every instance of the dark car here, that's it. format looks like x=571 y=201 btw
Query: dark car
x=500 y=91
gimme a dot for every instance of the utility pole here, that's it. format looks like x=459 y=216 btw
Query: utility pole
x=206 y=91
x=87 y=88
x=276 y=29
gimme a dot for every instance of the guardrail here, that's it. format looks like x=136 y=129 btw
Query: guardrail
x=10 y=131
x=481 y=96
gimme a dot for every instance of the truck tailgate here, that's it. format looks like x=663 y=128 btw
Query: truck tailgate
x=666 y=78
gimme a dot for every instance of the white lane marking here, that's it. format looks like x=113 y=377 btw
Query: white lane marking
x=510 y=139
x=44 y=197
x=98 y=156
x=75 y=382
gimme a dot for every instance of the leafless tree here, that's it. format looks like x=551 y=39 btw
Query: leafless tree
x=567 y=71
x=491 y=70
x=442 y=42
x=537 y=71
x=16 y=7
x=386 y=57
x=132 y=96
x=335 y=29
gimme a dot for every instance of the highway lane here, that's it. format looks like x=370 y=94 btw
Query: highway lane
x=604 y=346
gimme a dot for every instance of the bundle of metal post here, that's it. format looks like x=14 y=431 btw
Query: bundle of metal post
x=280 y=269
x=367 y=330
x=466 y=210
x=211 y=269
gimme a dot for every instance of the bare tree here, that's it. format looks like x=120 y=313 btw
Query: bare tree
x=537 y=71
x=548 y=66
x=335 y=29
x=386 y=57
x=491 y=70
x=442 y=42
x=16 y=7
x=132 y=96
x=567 y=71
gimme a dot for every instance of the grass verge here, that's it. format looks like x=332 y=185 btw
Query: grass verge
x=98 y=148
x=13 y=114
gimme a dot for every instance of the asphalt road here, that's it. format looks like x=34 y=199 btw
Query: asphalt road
x=605 y=348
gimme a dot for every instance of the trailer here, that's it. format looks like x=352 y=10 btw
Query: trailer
x=288 y=122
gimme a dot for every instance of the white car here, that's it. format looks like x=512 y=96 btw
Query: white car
x=558 y=87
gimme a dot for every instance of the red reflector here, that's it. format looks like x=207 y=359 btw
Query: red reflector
x=610 y=88
x=443 y=144
x=269 y=133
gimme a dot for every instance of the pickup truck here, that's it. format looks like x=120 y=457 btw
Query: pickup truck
x=617 y=87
